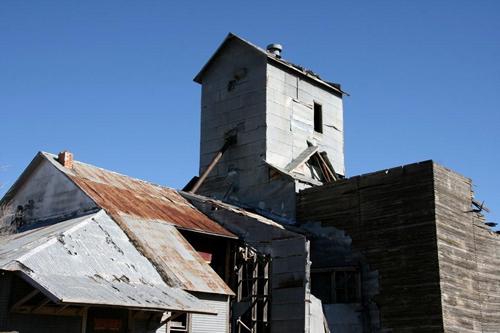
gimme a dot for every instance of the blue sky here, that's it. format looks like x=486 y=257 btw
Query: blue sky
x=112 y=80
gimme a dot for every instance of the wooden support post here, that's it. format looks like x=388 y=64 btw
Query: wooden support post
x=84 y=319
x=265 y=302
x=255 y=291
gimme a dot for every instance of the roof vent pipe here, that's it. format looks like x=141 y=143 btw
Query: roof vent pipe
x=275 y=49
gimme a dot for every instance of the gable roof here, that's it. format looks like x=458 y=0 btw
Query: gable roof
x=306 y=73
x=89 y=270
x=149 y=214
x=122 y=195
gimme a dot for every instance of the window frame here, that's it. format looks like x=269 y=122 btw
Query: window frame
x=334 y=289
x=318 y=117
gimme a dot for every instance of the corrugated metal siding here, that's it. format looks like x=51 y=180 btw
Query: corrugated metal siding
x=208 y=323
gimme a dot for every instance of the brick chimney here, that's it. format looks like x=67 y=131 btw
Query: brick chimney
x=66 y=159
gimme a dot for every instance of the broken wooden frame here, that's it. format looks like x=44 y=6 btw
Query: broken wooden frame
x=251 y=310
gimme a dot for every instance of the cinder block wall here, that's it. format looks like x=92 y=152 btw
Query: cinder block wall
x=272 y=109
x=290 y=118
x=241 y=170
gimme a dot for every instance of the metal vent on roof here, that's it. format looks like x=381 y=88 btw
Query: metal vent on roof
x=275 y=49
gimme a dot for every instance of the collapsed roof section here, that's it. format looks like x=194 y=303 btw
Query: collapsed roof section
x=96 y=265
x=320 y=170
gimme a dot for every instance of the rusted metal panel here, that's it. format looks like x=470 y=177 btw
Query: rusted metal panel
x=174 y=257
x=91 y=261
x=120 y=194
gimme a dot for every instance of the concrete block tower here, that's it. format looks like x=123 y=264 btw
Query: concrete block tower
x=286 y=121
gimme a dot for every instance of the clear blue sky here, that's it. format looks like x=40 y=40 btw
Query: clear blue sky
x=112 y=80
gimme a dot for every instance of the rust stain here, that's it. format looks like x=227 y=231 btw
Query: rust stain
x=119 y=194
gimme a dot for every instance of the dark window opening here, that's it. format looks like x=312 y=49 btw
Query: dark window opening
x=318 y=118
x=336 y=286
x=179 y=324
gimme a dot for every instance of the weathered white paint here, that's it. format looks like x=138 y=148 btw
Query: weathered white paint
x=271 y=106
x=49 y=194
x=209 y=323
x=290 y=119
x=317 y=318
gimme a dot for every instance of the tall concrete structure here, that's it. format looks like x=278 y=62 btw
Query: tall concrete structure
x=282 y=115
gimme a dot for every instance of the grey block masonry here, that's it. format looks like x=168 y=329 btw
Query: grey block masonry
x=272 y=109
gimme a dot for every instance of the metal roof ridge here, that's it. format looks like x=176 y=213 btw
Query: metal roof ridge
x=304 y=71
x=103 y=169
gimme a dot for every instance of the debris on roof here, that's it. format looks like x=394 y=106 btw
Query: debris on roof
x=273 y=58
x=295 y=175
x=96 y=265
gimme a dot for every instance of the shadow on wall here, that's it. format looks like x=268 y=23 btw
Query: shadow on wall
x=342 y=280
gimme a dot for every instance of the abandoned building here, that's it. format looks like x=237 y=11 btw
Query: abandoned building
x=272 y=236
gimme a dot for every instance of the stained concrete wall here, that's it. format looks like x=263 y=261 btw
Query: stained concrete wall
x=228 y=103
x=272 y=110
x=48 y=194
x=290 y=119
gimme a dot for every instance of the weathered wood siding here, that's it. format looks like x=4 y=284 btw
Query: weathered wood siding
x=391 y=219
x=469 y=258
x=438 y=263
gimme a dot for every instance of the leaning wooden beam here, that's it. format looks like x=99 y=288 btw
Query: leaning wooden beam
x=229 y=141
x=170 y=318
x=62 y=308
x=327 y=168
x=25 y=299
x=39 y=306
x=321 y=166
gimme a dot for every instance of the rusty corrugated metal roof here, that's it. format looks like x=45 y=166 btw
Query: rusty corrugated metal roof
x=120 y=194
x=174 y=258
x=91 y=261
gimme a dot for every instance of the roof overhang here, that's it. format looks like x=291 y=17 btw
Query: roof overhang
x=90 y=261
